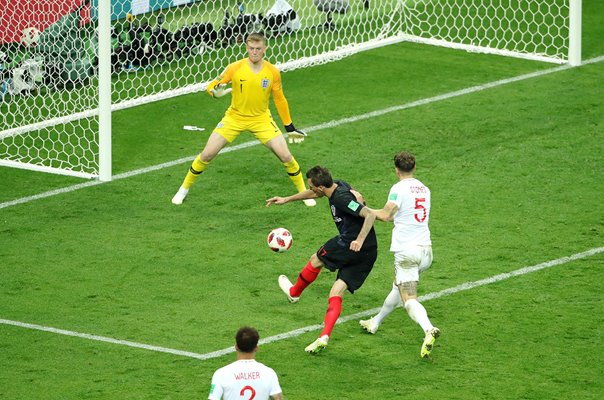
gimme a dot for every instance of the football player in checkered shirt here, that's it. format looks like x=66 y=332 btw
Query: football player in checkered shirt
x=351 y=253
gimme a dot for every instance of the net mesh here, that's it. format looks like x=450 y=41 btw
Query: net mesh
x=166 y=48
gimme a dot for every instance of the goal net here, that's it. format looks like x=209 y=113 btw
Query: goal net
x=49 y=54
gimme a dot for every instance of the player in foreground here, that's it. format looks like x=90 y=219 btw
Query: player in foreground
x=253 y=80
x=245 y=378
x=352 y=253
x=408 y=206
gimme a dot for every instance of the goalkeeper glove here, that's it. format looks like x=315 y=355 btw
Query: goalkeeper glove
x=294 y=135
x=220 y=90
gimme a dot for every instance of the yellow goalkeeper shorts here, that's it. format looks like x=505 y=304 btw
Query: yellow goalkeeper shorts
x=264 y=129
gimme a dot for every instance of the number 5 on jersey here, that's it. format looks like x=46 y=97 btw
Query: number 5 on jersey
x=421 y=214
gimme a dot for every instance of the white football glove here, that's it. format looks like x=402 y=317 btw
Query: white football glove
x=220 y=90
x=294 y=135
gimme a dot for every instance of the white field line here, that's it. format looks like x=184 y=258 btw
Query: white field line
x=326 y=125
x=300 y=331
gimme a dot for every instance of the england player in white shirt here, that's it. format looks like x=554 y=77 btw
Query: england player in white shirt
x=245 y=378
x=408 y=206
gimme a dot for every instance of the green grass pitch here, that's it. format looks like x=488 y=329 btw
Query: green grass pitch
x=516 y=176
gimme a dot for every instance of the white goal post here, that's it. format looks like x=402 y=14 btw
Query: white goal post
x=66 y=65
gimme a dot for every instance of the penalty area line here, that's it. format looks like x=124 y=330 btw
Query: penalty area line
x=297 y=332
x=315 y=128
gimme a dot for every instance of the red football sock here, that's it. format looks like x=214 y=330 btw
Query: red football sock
x=332 y=314
x=306 y=277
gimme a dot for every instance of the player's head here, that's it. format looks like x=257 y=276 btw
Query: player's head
x=247 y=339
x=319 y=176
x=256 y=37
x=404 y=162
x=255 y=44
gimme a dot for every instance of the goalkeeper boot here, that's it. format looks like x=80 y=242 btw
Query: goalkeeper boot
x=310 y=202
x=317 y=345
x=369 y=325
x=286 y=285
x=429 y=340
x=180 y=196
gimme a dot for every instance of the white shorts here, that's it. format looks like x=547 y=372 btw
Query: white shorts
x=411 y=262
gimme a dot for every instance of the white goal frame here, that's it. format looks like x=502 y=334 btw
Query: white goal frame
x=573 y=57
x=393 y=30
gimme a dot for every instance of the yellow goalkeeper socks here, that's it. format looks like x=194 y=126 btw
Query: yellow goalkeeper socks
x=293 y=170
x=196 y=169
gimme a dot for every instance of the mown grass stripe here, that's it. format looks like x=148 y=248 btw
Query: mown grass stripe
x=297 y=332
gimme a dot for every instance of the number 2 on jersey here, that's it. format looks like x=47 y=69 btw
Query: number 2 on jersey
x=421 y=214
x=245 y=389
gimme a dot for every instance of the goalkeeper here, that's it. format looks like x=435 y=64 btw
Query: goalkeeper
x=253 y=80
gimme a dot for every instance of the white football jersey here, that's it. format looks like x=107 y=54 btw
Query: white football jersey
x=411 y=220
x=244 y=379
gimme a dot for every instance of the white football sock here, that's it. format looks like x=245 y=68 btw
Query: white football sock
x=418 y=313
x=392 y=301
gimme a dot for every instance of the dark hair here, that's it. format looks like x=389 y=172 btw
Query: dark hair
x=404 y=161
x=320 y=176
x=247 y=339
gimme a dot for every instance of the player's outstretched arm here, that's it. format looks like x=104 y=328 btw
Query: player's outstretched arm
x=307 y=194
x=276 y=200
x=387 y=213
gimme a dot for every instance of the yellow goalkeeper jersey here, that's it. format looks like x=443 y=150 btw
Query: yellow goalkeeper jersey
x=251 y=91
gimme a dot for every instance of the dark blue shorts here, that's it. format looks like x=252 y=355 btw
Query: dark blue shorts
x=353 y=267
